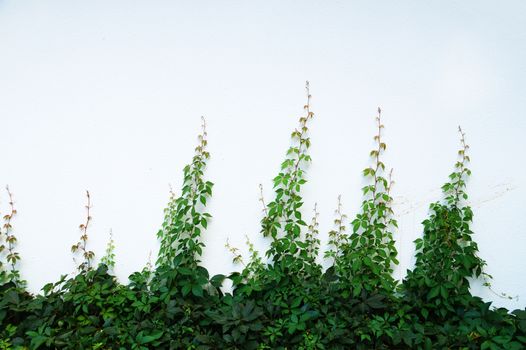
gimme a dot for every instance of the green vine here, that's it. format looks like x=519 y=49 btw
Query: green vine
x=283 y=220
x=283 y=299
x=368 y=254
x=446 y=255
x=337 y=236
x=81 y=246
x=109 y=257
x=184 y=216
x=9 y=267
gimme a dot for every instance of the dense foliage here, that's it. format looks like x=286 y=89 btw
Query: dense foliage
x=282 y=300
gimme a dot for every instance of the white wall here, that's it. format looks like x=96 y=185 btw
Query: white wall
x=107 y=95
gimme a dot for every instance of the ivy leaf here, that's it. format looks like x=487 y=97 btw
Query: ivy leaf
x=433 y=293
x=186 y=289
x=149 y=338
x=197 y=290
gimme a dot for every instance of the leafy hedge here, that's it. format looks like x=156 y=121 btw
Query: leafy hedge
x=284 y=299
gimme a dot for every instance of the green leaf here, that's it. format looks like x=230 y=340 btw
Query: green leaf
x=433 y=293
x=443 y=292
x=186 y=289
x=150 y=338
x=36 y=339
x=197 y=290
x=425 y=313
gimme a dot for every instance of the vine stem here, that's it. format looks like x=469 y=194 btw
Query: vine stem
x=200 y=154
x=388 y=193
x=462 y=164
x=235 y=252
x=10 y=238
x=84 y=228
x=303 y=123
x=262 y=200
x=378 y=138
x=311 y=235
x=341 y=226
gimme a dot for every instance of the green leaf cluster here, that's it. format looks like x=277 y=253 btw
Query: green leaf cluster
x=283 y=299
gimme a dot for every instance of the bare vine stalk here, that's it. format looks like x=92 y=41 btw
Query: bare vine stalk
x=81 y=245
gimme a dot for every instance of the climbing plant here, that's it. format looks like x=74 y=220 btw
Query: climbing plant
x=184 y=216
x=9 y=257
x=80 y=248
x=281 y=298
x=368 y=254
